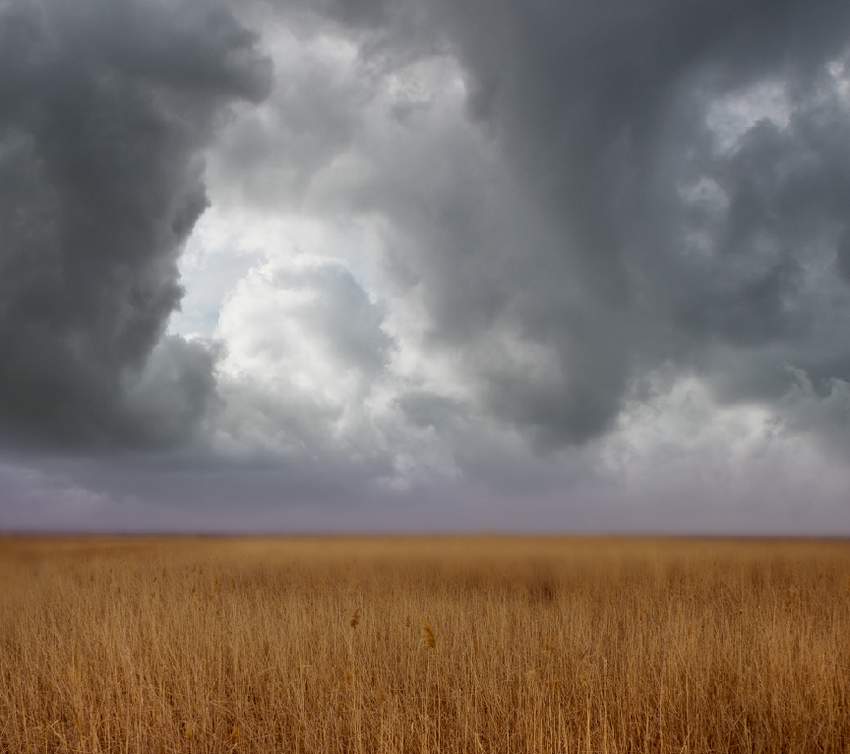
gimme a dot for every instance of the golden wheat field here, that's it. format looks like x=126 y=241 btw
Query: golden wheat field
x=423 y=645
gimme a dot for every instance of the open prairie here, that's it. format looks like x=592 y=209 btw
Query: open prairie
x=423 y=645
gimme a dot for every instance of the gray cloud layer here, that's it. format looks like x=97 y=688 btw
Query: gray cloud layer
x=618 y=233
x=105 y=108
x=586 y=205
x=601 y=109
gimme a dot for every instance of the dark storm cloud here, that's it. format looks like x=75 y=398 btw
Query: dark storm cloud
x=569 y=199
x=604 y=112
x=597 y=250
x=104 y=108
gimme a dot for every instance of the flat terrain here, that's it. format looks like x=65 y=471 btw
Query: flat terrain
x=423 y=645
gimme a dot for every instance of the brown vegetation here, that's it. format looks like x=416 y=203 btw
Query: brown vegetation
x=423 y=645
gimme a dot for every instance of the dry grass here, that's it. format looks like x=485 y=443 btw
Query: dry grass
x=423 y=645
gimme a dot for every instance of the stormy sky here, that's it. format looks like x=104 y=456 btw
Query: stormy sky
x=425 y=264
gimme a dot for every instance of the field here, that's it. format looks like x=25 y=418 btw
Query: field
x=422 y=645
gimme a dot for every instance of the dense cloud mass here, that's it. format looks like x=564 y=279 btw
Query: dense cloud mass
x=105 y=109
x=658 y=241
x=503 y=264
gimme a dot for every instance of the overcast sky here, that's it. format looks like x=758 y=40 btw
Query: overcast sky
x=425 y=264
